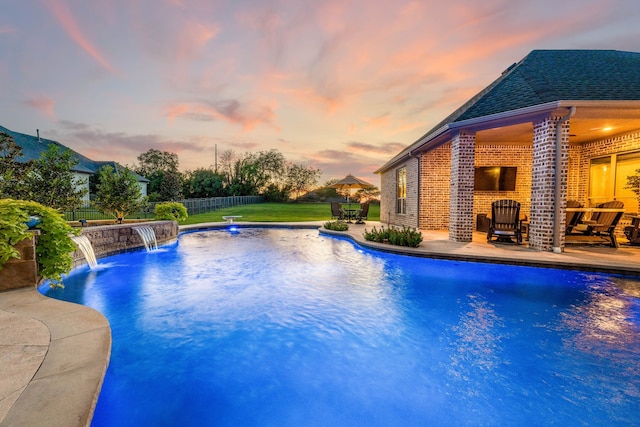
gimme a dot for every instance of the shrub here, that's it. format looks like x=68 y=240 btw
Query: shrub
x=54 y=248
x=336 y=225
x=172 y=211
x=406 y=236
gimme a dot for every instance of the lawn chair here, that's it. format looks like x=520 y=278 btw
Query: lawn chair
x=505 y=221
x=573 y=218
x=604 y=223
x=336 y=211
x=362 y=213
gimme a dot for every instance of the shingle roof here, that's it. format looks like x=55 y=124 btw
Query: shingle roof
x=33 y=147
x=544 y=77
x=552 y=75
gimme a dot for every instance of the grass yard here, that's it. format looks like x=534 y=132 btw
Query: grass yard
x=277 y=212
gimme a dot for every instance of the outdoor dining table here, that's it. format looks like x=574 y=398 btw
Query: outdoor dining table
x=351 y=213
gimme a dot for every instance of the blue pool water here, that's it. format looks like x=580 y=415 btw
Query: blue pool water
x=283 y=327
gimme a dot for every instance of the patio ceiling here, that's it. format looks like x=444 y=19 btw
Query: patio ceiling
x=587 y=124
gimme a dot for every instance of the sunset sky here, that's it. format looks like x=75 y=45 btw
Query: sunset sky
x=340 y=85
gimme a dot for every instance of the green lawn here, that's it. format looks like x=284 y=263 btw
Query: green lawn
x=277 y=212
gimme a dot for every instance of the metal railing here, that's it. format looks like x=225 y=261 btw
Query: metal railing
x=194 y=206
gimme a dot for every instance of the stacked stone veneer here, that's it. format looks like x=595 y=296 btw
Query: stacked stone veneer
x=22 y=272
x=113 y=239
x=106 y=240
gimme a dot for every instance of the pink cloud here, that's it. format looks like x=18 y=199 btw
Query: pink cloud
x=63 y=14
x=43 y=104
x=246 y=115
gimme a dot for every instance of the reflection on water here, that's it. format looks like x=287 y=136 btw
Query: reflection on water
x=606 y=327
x=478 y=336
x=604 y=323
x=287 y=327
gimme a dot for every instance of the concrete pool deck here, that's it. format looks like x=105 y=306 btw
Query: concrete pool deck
x=54 y=354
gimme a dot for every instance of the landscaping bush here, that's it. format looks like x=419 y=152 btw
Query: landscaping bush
x=336 y=225
x=54 y=248
x=172 y=211
x=405 y=236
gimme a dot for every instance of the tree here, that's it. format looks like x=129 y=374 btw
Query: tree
x=52 y=182
x=156 y=160
x=253 y=174
x=118 y=192
x=301 y=178
x=12 y=173
x=326 y=192
x=367 y=194
x=202 y=183
x=161 y=169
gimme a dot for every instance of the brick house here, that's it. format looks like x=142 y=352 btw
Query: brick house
x=583 y=105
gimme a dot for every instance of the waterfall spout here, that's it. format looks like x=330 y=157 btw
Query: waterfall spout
x=148 y=237
x=85 y=247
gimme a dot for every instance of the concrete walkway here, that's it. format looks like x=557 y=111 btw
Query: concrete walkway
x=54 y=354
x=53 y=357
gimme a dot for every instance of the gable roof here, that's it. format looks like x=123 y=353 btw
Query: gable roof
x=34 y=146
x=547 y=76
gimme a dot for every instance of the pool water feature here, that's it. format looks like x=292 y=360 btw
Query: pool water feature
x=148 y=236
x=84 y=245
x=287 y=327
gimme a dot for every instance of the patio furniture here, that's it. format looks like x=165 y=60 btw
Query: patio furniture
x=505 y=221
x=336 y=211
x=363 y=213
x=604 y=220
x=632 y=232
x=350 y=213
x=573 y=217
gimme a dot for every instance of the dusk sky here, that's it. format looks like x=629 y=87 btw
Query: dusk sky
x=340 y=85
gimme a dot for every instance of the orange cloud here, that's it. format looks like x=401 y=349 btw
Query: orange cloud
x=61 y=11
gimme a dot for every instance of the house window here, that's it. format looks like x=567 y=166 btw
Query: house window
x=401 y=192
x=608 y=179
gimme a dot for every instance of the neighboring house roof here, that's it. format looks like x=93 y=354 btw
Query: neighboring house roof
x=544 y=77
x=34 y=146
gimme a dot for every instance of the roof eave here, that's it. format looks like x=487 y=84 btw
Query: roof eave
x=435 y=138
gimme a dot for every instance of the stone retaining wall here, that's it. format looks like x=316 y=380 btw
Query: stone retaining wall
x=113 y=239
x=22 y=272
x=106 y=240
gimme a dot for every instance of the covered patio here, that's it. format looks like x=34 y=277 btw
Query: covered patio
x=566 y=122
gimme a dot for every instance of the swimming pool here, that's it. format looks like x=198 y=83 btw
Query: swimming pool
x=288 y=327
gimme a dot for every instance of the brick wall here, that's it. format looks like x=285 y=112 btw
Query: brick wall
x=543 y=182
x=461 y=197
x=505 y=155
x=388 y=182
x=435 y=179
x=435 y=173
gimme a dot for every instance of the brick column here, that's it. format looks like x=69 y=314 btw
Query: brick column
x=543 y=182
x=461 y=202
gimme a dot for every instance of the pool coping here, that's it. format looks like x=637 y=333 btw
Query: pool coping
x=61 y=350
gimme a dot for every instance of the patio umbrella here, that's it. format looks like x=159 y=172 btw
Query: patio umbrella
x=350 y=182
